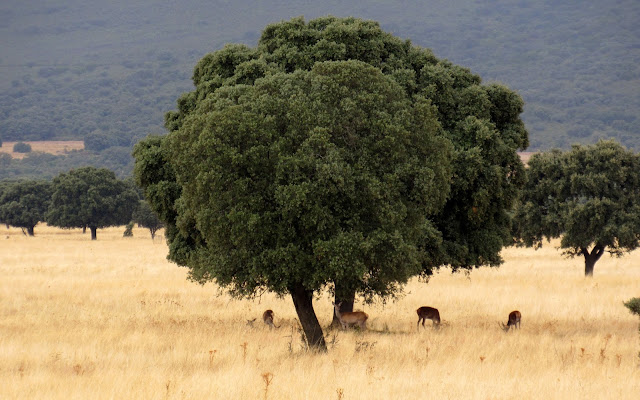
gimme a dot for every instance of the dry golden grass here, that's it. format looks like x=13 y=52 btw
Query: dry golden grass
x=56 y=147
x=113 y=319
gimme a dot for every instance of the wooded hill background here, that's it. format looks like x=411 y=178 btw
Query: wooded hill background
x=108 y=71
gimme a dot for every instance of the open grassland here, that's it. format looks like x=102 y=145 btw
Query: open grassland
x=113 y=319
x=56 y=147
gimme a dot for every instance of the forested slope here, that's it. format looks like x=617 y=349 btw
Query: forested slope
x=73 y=69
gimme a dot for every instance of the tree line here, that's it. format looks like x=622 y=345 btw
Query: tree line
x=578 y=80
x=86 y=197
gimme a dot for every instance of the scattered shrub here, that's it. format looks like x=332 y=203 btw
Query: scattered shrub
x=634 y=305
x=128 y=232
x=22 y=147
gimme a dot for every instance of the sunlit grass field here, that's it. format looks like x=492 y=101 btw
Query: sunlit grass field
x=56 y=147
x=112 y=319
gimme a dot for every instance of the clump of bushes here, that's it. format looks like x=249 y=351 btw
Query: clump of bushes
x=22 y=147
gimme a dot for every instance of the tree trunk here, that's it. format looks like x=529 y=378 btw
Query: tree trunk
x=590 y=259
x=84 y=229
x=94 y=231
x=153 y=232
x=303 y=302
x=30 y=230
x=347 y=298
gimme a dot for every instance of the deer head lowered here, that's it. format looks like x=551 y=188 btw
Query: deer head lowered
x=425 y=313
x=514 y=321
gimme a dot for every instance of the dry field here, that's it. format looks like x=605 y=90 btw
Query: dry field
x=50 y=146
x=112 y=319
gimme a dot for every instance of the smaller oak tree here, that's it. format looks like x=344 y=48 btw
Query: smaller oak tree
x=24 y=203
x=589 y=196
x=91 y=197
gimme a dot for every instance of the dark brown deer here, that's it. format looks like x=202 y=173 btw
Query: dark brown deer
x=425 y=313
x=267 y=318
x=514 y=321
x=351 y=318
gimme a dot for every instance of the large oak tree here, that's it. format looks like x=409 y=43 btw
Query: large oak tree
x=333 y=155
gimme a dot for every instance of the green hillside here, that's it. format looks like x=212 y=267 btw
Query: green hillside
x=108 y=71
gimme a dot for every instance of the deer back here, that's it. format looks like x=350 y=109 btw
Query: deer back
x=353 y=317
x=429 y=313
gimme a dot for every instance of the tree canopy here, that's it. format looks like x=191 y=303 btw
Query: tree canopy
x=589 y=197
x=90 y=197
x=333 y=154
x=24 y=203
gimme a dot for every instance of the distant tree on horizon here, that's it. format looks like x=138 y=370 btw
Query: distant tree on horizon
x=22 y=147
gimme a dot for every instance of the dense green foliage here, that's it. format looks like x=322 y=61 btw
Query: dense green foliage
x=90 y=197
x=292 y=166
x=156 y=176
x=589 y=196
x=69 y=72
x=24 y=203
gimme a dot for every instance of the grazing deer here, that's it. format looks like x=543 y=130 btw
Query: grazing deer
x=351 y=318
x=514 y=321
x=425 y=313
x=267 y=318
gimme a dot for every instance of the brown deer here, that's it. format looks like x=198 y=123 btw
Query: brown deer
x=351 y=318
x=267 y=318
x=425 y=313
x=514 y=321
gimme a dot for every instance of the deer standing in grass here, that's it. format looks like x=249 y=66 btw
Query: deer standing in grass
x=351 y=318
x=425 y=313
x=514 y=321
x=267 y=318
